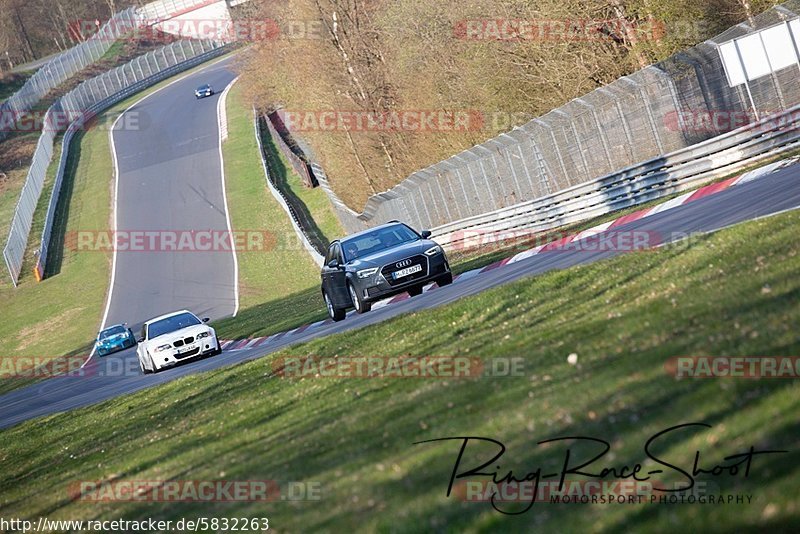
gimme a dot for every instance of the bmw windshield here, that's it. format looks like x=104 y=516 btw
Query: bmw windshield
x=377 y=241
x=171 y=324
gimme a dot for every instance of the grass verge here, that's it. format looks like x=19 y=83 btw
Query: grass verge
x=733 y=293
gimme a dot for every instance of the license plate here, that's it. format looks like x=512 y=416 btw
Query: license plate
x=407 y=271
x=188 y=348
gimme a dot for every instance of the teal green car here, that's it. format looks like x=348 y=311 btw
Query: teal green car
x=113 y=339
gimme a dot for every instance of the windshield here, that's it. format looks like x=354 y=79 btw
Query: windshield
x=382 y=239
x=113 y=331
x=171 y=324
x=203 y=87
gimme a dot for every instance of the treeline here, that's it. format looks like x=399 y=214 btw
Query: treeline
x=32 y=29
x=496 y=62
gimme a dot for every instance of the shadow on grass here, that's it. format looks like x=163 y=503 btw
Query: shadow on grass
x=274 y=316
x=55 y=251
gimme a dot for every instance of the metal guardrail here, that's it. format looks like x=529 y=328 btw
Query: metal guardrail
x=93 y=110
x=650 y=180
x=299 y=166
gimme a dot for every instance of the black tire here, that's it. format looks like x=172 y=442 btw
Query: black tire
x=358 y=304
x=145 y=370
x=445 y=280
x=414 y=291
x=337 y=314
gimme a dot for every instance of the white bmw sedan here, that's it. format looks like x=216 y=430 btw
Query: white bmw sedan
x=173 y=338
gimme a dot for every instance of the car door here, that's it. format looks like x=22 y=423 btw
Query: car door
x=328 y=276
x=338 y=280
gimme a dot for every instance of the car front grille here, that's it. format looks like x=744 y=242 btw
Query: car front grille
x=182 y=342
x=419 y=259
x=188 y=354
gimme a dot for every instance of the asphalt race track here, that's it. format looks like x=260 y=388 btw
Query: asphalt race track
x=169 y=178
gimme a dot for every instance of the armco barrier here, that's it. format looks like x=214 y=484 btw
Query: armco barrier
x=216 y=50
x=299 y=166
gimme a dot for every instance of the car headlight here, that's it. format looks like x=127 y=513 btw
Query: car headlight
x=433 y=251
x=201 y=335
x=366 y=273
x=163 y=348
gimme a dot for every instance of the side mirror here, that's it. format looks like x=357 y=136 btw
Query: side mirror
x=139 y=340
x=425 y=234
x=333 y=264
x=206 y=319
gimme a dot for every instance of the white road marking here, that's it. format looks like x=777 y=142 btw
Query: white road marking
x=220 y=103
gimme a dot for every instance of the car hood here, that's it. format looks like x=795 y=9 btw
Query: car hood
x=379 y=259
x=180 y=334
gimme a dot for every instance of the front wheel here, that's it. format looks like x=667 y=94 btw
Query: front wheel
x=337 y=314
x=145 y=370
x=358 y=304
x=445 y=280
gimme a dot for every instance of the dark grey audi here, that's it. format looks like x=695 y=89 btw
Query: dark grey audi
x=378 y=263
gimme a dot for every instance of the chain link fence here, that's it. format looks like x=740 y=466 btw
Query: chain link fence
x=75 y=108
x=633 y=119
x=63 y=66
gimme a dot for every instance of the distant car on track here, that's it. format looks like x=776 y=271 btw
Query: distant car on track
x=169 y=339
x=203 y=91
x=113 y=339
x=378 y=263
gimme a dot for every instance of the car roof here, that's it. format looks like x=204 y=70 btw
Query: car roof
x=370 y=230
x=166 y=316
x=113 y=326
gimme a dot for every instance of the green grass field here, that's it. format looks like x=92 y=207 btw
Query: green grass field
x=733 y=293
